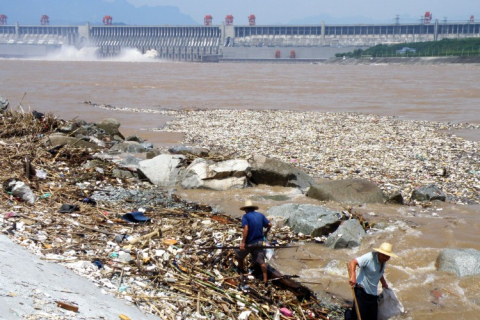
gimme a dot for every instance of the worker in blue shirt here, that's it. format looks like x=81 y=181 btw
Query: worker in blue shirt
x=253 y=234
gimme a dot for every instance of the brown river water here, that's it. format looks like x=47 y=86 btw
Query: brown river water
x=448 y=93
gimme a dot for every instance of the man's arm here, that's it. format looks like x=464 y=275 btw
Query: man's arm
x=352 y=266
x=384 y=282
x=269 y=226
x=244 y=237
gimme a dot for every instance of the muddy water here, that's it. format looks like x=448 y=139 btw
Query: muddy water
x=438 y=93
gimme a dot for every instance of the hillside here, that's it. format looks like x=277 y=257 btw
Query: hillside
x=445 y=47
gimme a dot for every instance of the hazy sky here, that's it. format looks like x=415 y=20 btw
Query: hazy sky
x=283 y=11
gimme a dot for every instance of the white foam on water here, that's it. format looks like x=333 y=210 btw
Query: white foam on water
x=133 y=55
x=70 y=53
x=333 y=268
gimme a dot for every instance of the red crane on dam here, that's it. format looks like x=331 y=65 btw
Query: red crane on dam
x=251 y=19
x=3 y=20
x=229 y=20
x=44 y=20
x=107 y=20
x=428 y=17
x=207 y=20
x=472 y=19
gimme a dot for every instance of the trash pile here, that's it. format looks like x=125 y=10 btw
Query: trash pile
x=169 y=257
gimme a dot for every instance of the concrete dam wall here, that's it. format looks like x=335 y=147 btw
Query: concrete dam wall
x=221 y=42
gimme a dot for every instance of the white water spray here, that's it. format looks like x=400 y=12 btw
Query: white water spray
x=69 y=53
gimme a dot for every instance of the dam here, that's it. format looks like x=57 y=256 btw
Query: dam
x=212 y=43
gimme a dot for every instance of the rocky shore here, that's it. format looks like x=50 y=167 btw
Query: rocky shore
x=83 y=195
x=70 y=200
x=398 y=155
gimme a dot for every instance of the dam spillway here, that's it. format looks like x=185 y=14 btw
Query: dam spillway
x=226 y=42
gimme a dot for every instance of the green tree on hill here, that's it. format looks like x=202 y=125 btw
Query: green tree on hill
x=445 y=47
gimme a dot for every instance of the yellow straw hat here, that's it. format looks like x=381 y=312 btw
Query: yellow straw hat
x=248 y=204
x=386 y=248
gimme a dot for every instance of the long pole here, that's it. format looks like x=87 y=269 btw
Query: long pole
x=354 y=296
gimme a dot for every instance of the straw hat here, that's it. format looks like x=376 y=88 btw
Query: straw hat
x=248 y=205
x=386 y=249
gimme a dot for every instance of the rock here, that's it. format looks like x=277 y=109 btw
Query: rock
x=130 y=161
x=164 y=170
x=224 y=175
x=122 y=174
x=129 y=146
x=396 y=198
x=348 y=235
x=153 y=153
x=147 y=145
x=68 y=127
x=307 y=219
x=58 y=140
x=461 y=262
x=428 y=193
x=274 y=172
x=135 y=138
x=110 y=126
x=349 y=191
x=186 y=150
x=3 y=104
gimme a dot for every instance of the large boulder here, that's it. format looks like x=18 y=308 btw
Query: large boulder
x=274 y=172
x=110 y=126
x=349 y=191
x=224 y=175
x=307 y=219
x=428 y=193
x=348 y=235
x=461 y=262
x=164 y=170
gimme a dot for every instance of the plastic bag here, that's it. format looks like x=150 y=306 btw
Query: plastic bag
x=388 y=305
x=20 y=190
x=268 y=252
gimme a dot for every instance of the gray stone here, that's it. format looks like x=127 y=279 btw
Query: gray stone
x=186 y=150
x=135 y=138
x=130 y=161
x=396 y=198
x=3 y=104
x=122 y=174
x=307 y=219
x=147 y=145
x=224 y=175
x=110 y=126
x=129 y=146
x=428 y=193
x=68 y=127
x=164 y=170
x=274 y=172
x=349 y=191
x=461 y=262
x=153 y=153
x=348 y=235
x=57 y=140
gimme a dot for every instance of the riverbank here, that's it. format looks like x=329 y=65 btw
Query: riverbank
x=68 y=204
x=399 y=155
x=405 y=60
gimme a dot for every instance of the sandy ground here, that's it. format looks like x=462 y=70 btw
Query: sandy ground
x=30 y=287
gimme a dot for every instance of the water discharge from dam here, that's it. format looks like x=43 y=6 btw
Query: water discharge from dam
x=70 y=53
x=447 y=93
